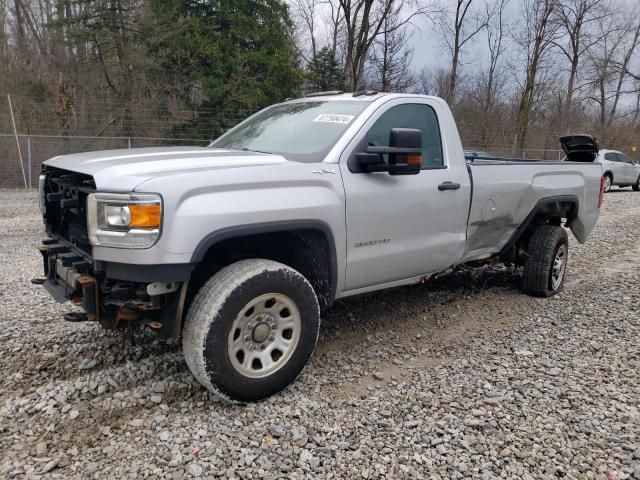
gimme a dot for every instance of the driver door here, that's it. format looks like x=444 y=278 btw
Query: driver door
x=403 y=226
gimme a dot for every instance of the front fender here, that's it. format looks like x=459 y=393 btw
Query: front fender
x=205 y=208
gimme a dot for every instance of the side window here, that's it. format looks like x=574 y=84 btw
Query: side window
x=412 y=115
x=612 y=157
x=623 y=158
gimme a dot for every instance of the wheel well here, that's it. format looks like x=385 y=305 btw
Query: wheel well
x=553 y=212
x=310 y=251
x=548 y=211
x=608 y=174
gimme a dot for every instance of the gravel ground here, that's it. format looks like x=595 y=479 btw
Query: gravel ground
x=462 y=377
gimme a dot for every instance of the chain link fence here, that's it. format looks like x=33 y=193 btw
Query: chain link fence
x=21 y=157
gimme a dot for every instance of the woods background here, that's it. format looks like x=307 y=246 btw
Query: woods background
x=517 y=73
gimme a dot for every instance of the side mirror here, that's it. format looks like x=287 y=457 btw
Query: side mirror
x=404 y=151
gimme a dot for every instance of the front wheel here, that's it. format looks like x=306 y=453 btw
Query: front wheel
x=251 y=330
x=608 y=181
x=545 y=267
x=636 y=186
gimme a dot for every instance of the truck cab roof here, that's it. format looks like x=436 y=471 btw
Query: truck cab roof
x=367 y=97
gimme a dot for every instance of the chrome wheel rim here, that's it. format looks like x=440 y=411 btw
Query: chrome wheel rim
x=607 y=183
x=264 y=335
x=558 y=267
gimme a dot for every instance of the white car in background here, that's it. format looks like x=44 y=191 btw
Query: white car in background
x=619 y=170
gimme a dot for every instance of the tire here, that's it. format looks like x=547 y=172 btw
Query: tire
x=543 y=275
x=608 y=182
x=233 y=312
x=636 y=186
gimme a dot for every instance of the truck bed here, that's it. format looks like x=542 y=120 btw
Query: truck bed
x=505 y=190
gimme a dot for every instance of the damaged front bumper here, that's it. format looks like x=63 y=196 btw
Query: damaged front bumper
x=113 y=294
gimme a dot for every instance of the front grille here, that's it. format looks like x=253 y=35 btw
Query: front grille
x=65 y=196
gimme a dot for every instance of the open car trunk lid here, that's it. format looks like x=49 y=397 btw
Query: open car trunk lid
x=580 y=148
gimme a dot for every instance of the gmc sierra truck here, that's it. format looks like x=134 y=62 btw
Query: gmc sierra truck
x=236 y=247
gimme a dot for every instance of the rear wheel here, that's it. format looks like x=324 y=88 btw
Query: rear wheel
x=545 y=268
x=251 y=330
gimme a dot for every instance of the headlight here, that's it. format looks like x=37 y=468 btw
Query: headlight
x=42 y=201
x=124 y=220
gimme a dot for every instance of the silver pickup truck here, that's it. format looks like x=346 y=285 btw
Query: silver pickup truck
x=236 y=247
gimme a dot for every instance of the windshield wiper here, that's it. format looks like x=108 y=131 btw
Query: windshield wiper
x=245 y=149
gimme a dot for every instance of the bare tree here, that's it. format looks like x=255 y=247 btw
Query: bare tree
x=391 y=59
x=610 y=62
x=495 y=31
x=305 y=13
x=636 y=110
x=319 y=37
x=466 y=25
x=632 y=33
x=536 y=34
x=432 y=81
x=335 y=24
x=364 y=21
x=574 y=18
x=602 y=62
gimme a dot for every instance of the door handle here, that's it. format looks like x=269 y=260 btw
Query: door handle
x=448 y=186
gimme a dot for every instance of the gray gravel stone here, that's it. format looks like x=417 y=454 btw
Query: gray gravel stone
x=50 y=465
x=299 y=438
x=484 y=382
x=194 y=470
x=41 y=448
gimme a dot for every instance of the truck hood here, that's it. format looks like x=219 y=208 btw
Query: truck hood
x=123 y=170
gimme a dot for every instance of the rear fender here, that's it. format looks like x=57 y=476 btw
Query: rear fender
x=560 y=206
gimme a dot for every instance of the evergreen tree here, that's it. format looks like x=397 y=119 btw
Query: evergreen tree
x=324 y=72
x=230 y=58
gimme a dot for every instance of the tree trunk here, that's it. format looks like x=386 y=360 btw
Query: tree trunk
x=454 y=74
x=573 y=73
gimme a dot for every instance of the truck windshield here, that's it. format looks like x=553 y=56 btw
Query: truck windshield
x=300 y=131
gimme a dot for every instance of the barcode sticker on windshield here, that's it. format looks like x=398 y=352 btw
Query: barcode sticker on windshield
x=333 y=118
